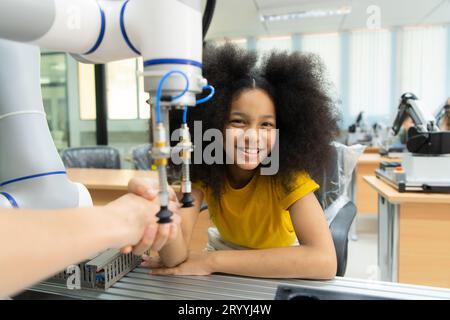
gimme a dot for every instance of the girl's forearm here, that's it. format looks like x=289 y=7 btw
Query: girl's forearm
x=175 y=251
x=293 y=262
x=35 y=245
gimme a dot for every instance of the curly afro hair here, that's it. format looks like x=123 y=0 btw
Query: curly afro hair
x=305 y=112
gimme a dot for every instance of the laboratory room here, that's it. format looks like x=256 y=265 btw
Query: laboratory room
x=225 y=150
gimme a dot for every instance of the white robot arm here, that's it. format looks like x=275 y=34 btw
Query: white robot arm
x=104 y=31
x=32 y=174
x=167 y=34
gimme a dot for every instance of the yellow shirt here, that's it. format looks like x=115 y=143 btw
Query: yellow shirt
x=256 y=216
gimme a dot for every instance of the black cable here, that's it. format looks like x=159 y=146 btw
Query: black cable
x=207 y=16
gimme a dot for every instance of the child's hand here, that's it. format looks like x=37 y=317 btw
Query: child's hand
x=155 y=236
x=197 y=264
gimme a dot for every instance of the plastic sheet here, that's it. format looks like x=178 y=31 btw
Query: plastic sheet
x=336 y=183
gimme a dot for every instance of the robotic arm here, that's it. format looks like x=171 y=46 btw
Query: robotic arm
x=108 y=30
x=425 y=137
x=441 y=112
x=167 y=34
x=357 y=123
x=409 y=106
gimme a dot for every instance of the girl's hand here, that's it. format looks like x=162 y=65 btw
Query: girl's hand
x=197 y=264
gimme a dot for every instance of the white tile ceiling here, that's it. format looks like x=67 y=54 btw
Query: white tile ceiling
x=241 y=18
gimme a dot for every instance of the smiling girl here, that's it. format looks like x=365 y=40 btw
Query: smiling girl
x=266 y=225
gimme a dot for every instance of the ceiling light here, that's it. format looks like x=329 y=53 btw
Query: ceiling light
x=319 y=13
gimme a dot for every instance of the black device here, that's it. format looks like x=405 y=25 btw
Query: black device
x=291 y=292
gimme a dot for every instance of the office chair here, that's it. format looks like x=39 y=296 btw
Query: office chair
x=141 y=157
x=101 y=157
x=142 y=160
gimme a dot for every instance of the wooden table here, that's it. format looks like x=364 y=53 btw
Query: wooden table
x=366 y=197
x=372 y=150
x=413 y=235
x=106 y=185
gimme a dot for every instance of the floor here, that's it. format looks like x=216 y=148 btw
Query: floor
x=362 y=253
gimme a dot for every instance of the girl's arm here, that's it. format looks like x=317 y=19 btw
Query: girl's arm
x=315 y=258
x=176 y=251
x=34 y=245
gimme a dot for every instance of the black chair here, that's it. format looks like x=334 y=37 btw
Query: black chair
x=141 y=157
x=340 y=228
x=100 y=157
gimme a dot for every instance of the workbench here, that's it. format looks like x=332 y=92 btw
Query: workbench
x=413 y=235
x=366 y=197
x=139 y=284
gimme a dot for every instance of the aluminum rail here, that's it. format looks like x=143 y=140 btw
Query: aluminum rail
x=139 y=284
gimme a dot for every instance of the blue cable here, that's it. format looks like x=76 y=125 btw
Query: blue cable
x=159 y=91
x=203 y=100
x=185 y=114
x=208 y=97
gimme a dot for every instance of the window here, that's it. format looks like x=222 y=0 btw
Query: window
x=121 y=88
x=242 y=43
x=327 y=46
x=370 y=73
x=86 y=83
x=55 y=96
x=423 y=64
x=144 y=107
x=125 y=91
x=264 y=45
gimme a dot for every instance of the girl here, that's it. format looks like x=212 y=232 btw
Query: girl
x=267 y=225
